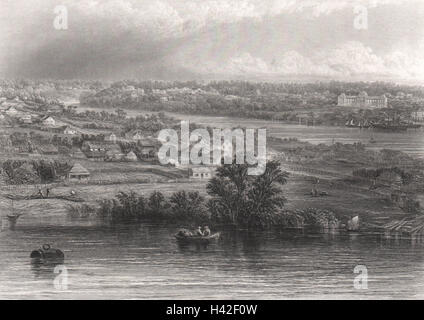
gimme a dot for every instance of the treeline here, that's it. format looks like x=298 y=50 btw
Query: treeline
x=267 y=101
x=192 y=209
x=234 y=197
x=149 y=123
x=130 y=207
x=32 y=172
x=245 y=88
x=406 y=177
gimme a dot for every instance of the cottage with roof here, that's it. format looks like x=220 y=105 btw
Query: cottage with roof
x=78 y=173
x=111 y=138
x=95 y=151
x=201 y=172
x=48 y=121
x=69 y=131
x=131 y=157
x=147 y=147
x=114 y=153
x=26 y=119
x=11 y=111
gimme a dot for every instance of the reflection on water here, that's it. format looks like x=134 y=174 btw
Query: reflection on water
x=146 y=262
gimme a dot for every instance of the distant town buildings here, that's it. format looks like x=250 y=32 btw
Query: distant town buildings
x=362 y=101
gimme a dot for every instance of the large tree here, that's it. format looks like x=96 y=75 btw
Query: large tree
x=247 y=200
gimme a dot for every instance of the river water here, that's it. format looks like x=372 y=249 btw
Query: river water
x=411 y=141
x=146 y=262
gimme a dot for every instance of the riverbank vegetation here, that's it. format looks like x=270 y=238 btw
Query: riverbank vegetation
x=233 y=198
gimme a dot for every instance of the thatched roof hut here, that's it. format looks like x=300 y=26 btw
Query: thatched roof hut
x=78 y=172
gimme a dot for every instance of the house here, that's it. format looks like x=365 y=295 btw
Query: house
x=112 y=138
x=148 y=148
x=362 y=100
x=70 y=131
x=78 y=173
x=11 y=111
x=114 y=153
x=201 y=172
x=131 y=156
x=418 y=115
x=135 y=135
x=26 y=119
x=48 y=121
x=95 y=151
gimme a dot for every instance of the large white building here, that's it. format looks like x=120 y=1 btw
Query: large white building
x=362 y=101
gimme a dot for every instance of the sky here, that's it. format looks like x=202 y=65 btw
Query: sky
x=213 y=39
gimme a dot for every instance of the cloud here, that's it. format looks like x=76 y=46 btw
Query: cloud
x=165 y=18
x=349 y=59
x=144 y=38
x=173 y=17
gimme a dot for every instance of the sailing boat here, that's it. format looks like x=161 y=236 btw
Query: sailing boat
x=353 y=224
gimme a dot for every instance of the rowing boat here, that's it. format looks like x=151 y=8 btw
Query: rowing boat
x=197 y=239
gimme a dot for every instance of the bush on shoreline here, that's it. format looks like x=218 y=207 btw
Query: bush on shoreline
x=191 y=208
x=235 y=198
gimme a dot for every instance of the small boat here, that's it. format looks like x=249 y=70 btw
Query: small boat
x=353 y=224
x=47 y=253
x=197 y=239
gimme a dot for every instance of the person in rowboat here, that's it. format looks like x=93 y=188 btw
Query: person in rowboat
x=198 y=232
x=206 y=231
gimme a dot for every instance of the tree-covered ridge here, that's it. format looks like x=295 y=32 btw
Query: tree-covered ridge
x=277 y=101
